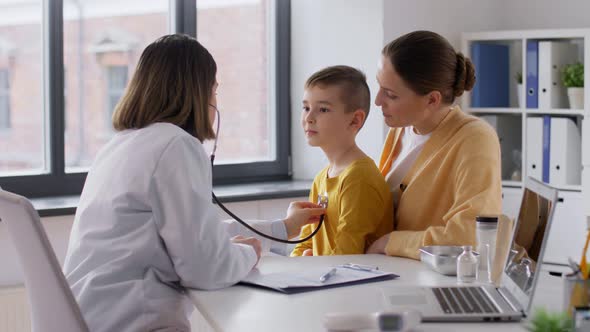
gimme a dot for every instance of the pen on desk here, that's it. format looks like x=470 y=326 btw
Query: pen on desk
x=327 y=276
x=360 y=267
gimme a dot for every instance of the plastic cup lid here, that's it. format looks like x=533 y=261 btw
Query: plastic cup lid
x=486 y=219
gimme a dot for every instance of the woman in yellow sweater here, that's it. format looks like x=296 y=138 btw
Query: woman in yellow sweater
x=442 y=165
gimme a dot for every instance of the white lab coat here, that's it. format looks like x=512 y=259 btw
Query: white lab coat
x=145 y=228
x=274 y=228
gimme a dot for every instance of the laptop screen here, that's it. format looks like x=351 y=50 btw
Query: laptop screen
x=530 y=237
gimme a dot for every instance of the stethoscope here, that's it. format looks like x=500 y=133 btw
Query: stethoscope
x=322 y=199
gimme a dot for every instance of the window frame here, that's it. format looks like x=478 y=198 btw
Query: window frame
x=182 y=19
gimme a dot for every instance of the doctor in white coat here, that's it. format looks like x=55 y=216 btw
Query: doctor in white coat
x=145 y=227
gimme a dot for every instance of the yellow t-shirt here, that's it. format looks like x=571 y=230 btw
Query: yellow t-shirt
x=360 y=210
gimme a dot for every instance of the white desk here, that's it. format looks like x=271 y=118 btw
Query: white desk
x=243 y=308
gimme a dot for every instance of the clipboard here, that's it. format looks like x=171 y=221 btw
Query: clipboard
x=293 y=282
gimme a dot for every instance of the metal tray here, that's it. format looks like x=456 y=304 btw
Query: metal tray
x=442 y=259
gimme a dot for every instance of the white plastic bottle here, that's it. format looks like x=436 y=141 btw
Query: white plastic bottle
x=485 y=229
x=466 y=266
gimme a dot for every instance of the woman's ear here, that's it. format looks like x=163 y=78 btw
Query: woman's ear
x=358 y=119
x=434 y=99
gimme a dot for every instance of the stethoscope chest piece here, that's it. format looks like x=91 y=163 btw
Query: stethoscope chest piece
x=323 y=200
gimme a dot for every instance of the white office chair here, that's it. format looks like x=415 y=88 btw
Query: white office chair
x=53 y=307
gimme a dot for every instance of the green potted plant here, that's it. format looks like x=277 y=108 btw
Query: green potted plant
x=519 y=88
x=544 y=321
x=573 y=79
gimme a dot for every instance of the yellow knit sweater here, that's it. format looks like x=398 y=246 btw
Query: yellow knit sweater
x=456 y=177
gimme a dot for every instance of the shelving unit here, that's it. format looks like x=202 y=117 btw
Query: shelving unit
x=559 y=111
x=491 y=110
x=513 y=184
x=512 y=119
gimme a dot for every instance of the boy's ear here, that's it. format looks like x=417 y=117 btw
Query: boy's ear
x=358 y=119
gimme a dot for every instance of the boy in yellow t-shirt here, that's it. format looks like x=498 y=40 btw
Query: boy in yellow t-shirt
x=336 y=103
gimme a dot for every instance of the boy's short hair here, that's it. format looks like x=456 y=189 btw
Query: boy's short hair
x=352 y=82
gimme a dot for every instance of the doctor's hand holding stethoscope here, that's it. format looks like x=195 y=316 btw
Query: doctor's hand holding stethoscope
x=299 y=214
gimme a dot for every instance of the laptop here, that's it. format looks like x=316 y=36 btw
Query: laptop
x=512 y=300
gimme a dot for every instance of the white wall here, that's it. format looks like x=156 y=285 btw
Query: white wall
x=448 y=18
x=547 y=14
x=333 y=32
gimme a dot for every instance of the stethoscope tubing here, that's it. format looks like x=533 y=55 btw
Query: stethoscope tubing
x=245 y=224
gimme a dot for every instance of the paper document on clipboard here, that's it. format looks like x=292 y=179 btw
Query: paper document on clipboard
x=292 y=282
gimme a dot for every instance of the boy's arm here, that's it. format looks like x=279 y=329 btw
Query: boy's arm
x=362 y=211
x=301 y=247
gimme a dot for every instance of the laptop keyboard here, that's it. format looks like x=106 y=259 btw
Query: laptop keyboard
x=464 y=300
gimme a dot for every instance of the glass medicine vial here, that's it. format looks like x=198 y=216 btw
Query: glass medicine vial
x=485 y=229
x=466 y=266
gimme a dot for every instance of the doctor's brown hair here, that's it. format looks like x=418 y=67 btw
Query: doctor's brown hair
x=427 y=62
x=172 y=83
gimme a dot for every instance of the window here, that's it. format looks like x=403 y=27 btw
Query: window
x=116 y=83
x=7 y=61
x=102 y=39
x=251 y=142
x=100 y=42
x=242 y=55
x=22 y=109
x=4 y=99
